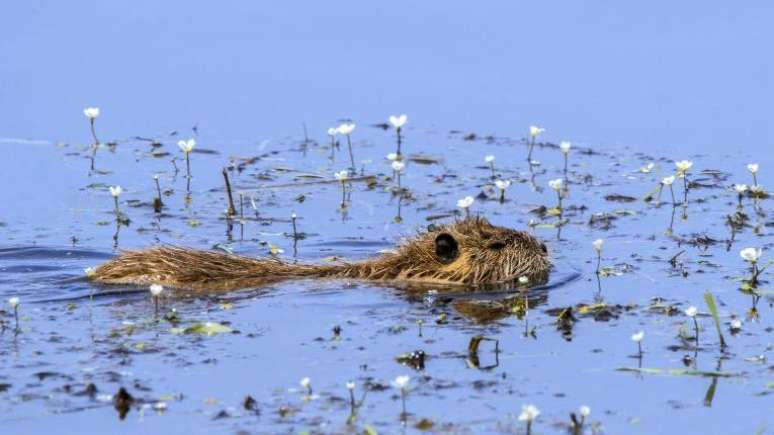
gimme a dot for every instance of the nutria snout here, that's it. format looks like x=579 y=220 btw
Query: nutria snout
x=470 y=252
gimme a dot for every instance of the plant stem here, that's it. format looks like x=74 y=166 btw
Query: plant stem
x=118 y=212
x=755 y=179
x=565 y=166
x=93 y=132
x=491 y=166
x=529 y=154
x=399 y=142
x=231 y=210
x=502 y=196
x=685 y=188
x=343 y=194
x=188 y=164
x=599 y=261
x=351 y=156
x=295 y=233
x=672 y=191
x=16 y=317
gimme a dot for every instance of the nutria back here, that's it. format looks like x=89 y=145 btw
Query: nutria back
x=469 y=252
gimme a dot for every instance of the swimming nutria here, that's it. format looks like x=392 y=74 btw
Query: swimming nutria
x=468 y=252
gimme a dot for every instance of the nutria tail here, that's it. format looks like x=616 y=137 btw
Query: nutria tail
x=197 y=270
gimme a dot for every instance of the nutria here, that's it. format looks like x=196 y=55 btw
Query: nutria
x=470 y=252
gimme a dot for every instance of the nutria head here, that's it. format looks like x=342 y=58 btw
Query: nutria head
x=471 y=252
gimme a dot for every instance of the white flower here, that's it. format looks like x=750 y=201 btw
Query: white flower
x=756 y=189
x=13 y=302
x=398 y=121
x=115 y=191
x=584 y=411
x=156 y=289
x=534 y=131
x=597 y=244
x=750 y=254
x=398 y=166
x=392 y=156
x=350 y=385
x=293 y=215
x=556 y=184
x=489 y=159
x=305 y=383
x=638 y=336
x=346 y=128
x=667 y=181
x=89 y=271
x=740 y=188
x=332 y=131
x=736 y=324
x=753 y=168
x=565 y=146
x=523 y=280
x=401 y=382
x=160 y=406
x=691 y=311
x=647 y=168
x=683 y=166
x=186 y=145
x=465 y=202
x=341 y=175
x=91 y=112
x=502 y=184
x=529 y=413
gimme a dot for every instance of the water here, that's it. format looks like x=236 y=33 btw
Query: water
x=633 y=84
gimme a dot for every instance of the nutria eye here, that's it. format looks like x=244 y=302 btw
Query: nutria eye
x=446 y=248
x=496 y=246
x=543 y=248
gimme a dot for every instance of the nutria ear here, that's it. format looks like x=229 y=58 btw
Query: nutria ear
x=446 y=248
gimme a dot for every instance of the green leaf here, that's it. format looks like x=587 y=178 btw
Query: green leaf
x=207 y=328
x=713 y=308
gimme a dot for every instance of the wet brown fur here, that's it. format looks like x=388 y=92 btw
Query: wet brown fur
x=485 y=254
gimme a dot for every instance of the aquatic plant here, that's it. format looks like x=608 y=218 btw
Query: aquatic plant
x=346 y=129
x=637 y=338
x=564 y=147
x=115 y=192
x=490 y=159
x=735 y=326
x=576 y=423
x=534 y=132
x=398 y=122
x=682 y=172
x=401 y=383
x=753 y=168
x=502 y=185
x=187 y=147
x=597 y=245
x=668 y=181
x=465 y=204
x=306 y=384
x=332 y=132
x=155 y=291
x=157 y=202
x=691 y=313
x=343 y=176
x=14 y=303
x=528 y=414
x=556 y=185
x=92 y=113
x=293 y=218
x=398 y=167
x=752 y=255
x=740 y=190
x=713 y=309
